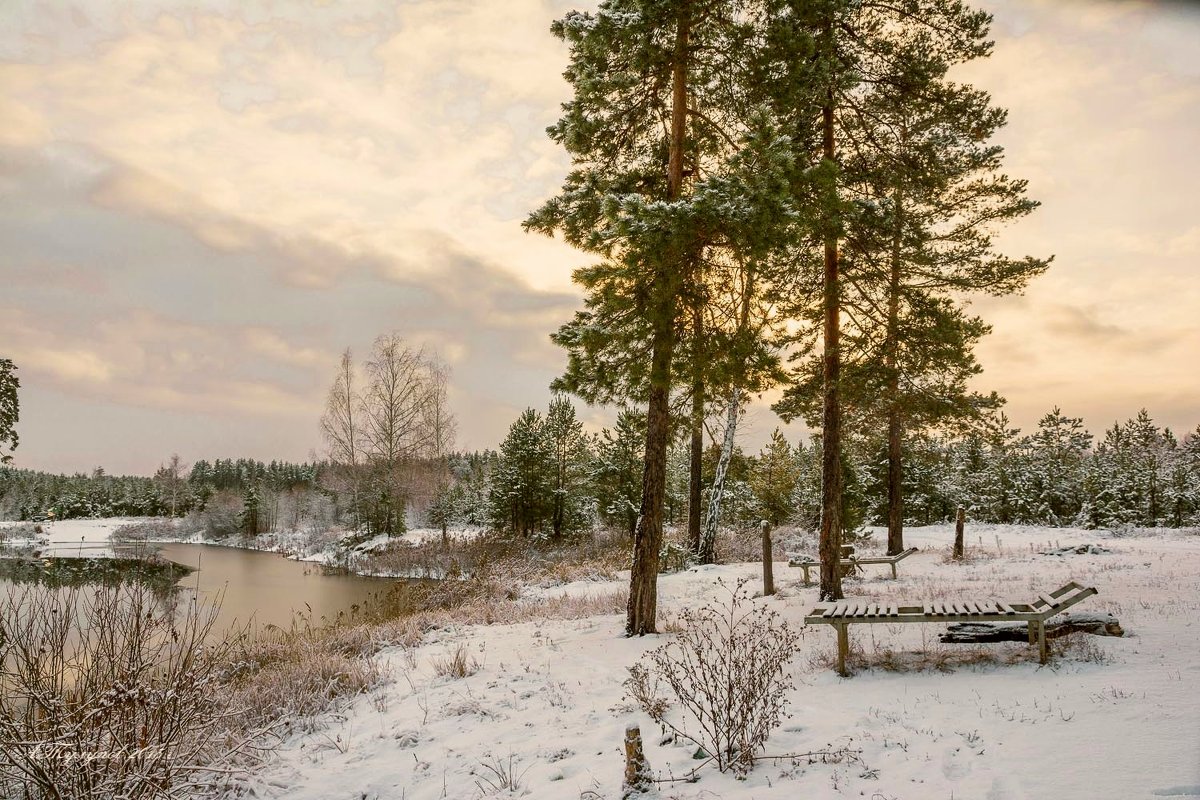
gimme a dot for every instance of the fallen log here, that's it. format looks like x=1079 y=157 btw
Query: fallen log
x=1101 y=624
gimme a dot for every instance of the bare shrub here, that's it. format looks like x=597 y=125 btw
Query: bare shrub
x=108 y=692
x=155 y=528
x=500 y=776
x=20 y=530
x=726 y=670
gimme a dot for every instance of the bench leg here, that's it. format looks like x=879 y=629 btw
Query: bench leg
x=894 y=575
x=843 y=645
x=1032 y=632
x=807 y=582
x=1043 y=647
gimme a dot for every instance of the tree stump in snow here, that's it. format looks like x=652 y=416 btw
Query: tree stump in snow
x=637 y=771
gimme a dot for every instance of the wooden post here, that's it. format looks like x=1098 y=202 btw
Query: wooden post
x=637 y=771
x=960 y=519
x=1043 y=647
x=768 y=566
x=843 y=649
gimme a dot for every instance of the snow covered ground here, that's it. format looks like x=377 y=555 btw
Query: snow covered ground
x=71 y=537
x=1116 y=718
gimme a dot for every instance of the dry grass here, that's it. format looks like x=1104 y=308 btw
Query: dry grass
x=301 y=671
x=541 y=563
x=457 y=663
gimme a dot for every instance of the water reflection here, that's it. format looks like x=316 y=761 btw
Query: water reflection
x=253 y=588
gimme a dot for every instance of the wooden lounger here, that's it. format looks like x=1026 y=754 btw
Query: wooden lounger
x=850 y=563
x=844 y=613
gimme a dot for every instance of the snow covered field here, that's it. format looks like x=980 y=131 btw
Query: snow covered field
x=1114 y=718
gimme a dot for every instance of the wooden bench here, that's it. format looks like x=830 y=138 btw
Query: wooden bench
x=844 y=613
x=849 y=562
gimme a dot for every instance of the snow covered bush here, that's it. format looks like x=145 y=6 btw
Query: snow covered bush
x=726 y=669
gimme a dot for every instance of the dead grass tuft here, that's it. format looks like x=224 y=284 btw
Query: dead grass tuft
x=457 y=663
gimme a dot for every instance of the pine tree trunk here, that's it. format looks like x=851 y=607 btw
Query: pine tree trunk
x=830 y=545
x=895 y=472
x=647 y=540
x=697 y=449
x=895 y=487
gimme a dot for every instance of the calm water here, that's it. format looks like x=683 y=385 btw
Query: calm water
x=268 y=589
x=254 y=588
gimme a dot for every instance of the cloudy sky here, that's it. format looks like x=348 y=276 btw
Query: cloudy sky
x=202 y=202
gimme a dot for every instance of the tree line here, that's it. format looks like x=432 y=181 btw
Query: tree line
x=173 y=491
x=551 y=479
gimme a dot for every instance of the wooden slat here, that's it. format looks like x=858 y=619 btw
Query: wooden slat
x=1006 y=608
x=829 y=610
x=1048 y=600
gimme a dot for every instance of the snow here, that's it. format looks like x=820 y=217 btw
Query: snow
x=546 y=704
x=74 y=537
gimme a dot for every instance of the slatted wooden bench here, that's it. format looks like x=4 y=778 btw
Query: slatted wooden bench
x=849 y=563
x=844 y=613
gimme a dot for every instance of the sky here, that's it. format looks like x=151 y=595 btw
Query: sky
x=203 y=202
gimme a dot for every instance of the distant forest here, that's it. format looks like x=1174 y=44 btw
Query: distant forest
x=549 y=478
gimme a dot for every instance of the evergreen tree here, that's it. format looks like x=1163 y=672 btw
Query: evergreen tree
x=569 y=466
x=644 y=129
x=521 y=483
x=250 y=519
x=1057 y=457
x=774 y=478
x=9 y=409
x=618 y=470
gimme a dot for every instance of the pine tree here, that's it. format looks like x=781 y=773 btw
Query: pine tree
x=570 y=458
x=521 y=483
x=9 y=409
x=618 y=470
x=250 y=519
x=649 y=132
x=1057 y=456
x=916 y=192
x=774 y=478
